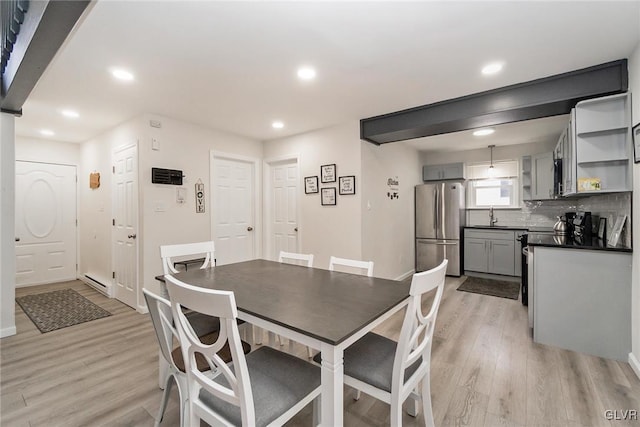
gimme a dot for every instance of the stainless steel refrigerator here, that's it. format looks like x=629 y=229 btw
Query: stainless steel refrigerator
x=440 y=216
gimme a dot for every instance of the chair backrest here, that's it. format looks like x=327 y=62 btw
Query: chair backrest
x=308 y=258
x=416 y=335
x=365 y=265
x=168 y=252
x=162 y=320
x=221 y=304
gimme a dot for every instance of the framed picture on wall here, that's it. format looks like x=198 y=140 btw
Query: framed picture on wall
x=328 y=196
x=328 y=173
x=347 y=185
x=310 y=184
x=635 y=134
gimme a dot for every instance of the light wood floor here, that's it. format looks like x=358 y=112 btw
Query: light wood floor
x=486 y=371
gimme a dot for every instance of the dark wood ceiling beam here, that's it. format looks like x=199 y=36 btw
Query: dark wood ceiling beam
x=46 y=26
x=544 y=97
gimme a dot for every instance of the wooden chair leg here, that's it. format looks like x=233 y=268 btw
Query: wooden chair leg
x=165 y=398
x=427 y=410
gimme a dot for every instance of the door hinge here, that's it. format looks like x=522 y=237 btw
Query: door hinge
x=76 y=267
x=113 y=274
x=113 y=222
x=76 y=222
x=113 y=169
x=76 y=178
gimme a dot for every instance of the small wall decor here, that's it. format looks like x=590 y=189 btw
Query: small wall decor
x=347 y=185
x=199 y=196
x=328 y=173
x=635 y=133
x=310 y=184
x=394 y=188
x=94 y=180
x=328 y=196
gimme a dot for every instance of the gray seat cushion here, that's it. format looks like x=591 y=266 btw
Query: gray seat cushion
x=202 y=324
x=370 y=360
x=278 y=382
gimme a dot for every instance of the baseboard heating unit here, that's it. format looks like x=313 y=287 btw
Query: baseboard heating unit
x=97 y=285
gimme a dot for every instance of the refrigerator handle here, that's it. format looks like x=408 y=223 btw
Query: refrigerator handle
x=435 y=210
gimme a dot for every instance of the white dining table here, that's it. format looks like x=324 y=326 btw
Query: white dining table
x=325 y=310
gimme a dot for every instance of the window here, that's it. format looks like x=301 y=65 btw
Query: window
x=500 y=190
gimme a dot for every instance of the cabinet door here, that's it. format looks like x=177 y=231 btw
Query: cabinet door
x=431 y=173
x=453 y=171
x=501 y=257
x=475 y=254
x=542 y=176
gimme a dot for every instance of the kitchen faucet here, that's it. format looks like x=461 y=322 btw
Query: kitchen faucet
x=492 y=220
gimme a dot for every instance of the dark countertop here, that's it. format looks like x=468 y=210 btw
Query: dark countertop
x=511 y=227
x=549 y=240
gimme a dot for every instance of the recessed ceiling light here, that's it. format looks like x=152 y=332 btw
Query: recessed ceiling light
x=47 y=132
x=70 y=114
x=277 y=125
x=493 y=68
x=306 y=73
x=121 y=74
x=483 y=132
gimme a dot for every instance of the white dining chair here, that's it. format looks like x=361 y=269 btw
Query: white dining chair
x=296 y=259
x=265 y=387
x=392 y=371
x=351 y=263
x=168 y=253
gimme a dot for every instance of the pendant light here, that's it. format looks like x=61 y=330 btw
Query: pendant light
x=492 y=171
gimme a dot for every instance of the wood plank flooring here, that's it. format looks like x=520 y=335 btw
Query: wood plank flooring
x=486 y=371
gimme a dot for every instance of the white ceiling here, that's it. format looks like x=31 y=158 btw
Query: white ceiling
x=232 y=65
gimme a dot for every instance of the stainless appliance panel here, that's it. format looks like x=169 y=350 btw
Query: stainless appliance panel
x=452 y=253
x=426 y=196
x=428 y=254
x=451 y=208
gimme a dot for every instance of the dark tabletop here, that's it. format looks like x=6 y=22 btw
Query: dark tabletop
x=327 y=305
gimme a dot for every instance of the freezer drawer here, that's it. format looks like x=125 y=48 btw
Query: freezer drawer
x=430 y=253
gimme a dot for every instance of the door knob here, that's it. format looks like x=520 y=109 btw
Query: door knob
x=295 y=229
x=17 y=239
x=249 y=228
x=132 y=236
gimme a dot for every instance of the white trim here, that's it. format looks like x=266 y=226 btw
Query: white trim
x=405 y=275
x=267 y=190
x=635 y=364
x=257 y=205
x=7 y=332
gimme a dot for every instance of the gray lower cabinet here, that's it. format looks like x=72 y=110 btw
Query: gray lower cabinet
x=582 y=300
x=490 y=251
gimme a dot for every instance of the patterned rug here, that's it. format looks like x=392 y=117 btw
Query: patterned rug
x=496 y=288
x=58 y=309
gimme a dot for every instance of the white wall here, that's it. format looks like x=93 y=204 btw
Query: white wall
x=634 y=86
x=388 y=225
x=181 y=146
x=7 y=226
x=327 y=230
x=40 y=150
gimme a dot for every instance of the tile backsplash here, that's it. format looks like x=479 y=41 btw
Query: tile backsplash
x=544 y=213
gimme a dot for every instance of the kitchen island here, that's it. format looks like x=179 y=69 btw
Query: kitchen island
x=580 y=295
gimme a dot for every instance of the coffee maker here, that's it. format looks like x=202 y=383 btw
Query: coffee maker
x=582 y=226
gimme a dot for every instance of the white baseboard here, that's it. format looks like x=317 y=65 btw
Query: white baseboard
x=635 y=364
x=405 y=275
x=7 y=332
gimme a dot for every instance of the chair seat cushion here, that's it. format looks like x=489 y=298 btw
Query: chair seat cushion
x=224 y=353
x=202 y=324
x=278 y=381
x=370 y=360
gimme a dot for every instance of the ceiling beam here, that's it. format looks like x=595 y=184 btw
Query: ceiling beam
x=46 y=26
x=535 y=99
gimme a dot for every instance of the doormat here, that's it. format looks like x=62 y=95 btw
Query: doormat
x=495 y=288
x=58 y=309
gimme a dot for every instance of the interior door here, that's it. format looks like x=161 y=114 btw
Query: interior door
x=45 y=223
x=125 y=224
x=284 y=208
x=233 y=209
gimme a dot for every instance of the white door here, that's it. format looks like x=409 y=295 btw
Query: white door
x=45 y=223
x=125 y=224
x=283 y=206
x=233 y=209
